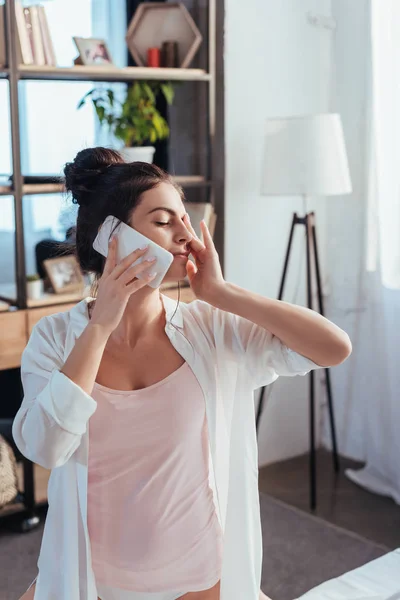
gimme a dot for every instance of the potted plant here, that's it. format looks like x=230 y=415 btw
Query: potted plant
x=135 y=121
x=34 y=286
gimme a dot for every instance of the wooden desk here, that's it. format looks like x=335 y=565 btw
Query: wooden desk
x=13 y=338
x=9 y=292
x=16 y=325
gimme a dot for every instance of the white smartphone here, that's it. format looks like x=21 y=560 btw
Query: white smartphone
x=130 y=239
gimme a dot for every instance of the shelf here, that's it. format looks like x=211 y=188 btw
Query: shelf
x=86 y=73
x=191 y=180
x=56 y=188
x=8 y=292
x=42 y=188
x=6 y=190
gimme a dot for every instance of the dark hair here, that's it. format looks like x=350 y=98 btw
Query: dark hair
x=102 y=183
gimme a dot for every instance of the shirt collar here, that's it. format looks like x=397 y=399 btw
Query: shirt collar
x=173 y=312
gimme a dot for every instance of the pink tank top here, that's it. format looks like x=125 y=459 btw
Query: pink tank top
x=151 y=516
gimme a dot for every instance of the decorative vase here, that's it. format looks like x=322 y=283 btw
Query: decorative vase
x=138 y=153
x=34 y=289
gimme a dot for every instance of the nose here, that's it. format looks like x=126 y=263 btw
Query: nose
x=183 y=236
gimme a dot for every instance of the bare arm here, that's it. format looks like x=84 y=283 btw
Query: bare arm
x=84 y=360
x=301 y=329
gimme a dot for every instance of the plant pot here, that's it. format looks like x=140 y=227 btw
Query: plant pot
x=138 y=153
x=34 y=289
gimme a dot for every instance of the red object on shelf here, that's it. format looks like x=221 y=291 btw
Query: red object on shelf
x=153 y=57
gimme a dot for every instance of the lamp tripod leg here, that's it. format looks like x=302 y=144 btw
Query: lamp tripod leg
x=335 y=454
x=312 y=464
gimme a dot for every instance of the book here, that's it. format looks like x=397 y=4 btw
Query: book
x=38 y=47
x=3 y=55
x=49 y=53
x=28 y=28
x=23 y=35
x=3 y=49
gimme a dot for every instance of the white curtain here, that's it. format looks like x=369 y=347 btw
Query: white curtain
x=378 y=379
x=383 y=240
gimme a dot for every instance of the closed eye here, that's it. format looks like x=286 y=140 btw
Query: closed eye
x=161 y=223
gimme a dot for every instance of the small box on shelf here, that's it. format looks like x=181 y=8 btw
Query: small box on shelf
x=155 y=23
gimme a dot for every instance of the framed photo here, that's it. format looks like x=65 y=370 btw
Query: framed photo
x=64 y=273
x=93 y=51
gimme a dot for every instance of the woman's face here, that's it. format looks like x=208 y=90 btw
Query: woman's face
x=159 y=216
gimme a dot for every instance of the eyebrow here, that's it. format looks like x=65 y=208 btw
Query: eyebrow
x=164 y=208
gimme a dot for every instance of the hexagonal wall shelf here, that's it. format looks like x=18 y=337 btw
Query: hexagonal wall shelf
x=156 y=22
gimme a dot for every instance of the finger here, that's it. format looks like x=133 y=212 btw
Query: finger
x=133 y=272
x=111 y=259
x=197 y=259
x=191 y=270
x=128 y=260
x=190 y=227
x=139 y=283
x=207 y=237
x=195 y=242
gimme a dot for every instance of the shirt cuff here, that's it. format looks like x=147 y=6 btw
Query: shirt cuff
x=300 y=364
x=67 y=403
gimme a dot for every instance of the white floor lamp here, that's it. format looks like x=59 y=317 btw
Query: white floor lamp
x=306 y=156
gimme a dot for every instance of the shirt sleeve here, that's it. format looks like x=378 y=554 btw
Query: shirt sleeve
x=264 y=355
x=53 y=416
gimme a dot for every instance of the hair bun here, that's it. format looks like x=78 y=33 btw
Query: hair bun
x=82 y=176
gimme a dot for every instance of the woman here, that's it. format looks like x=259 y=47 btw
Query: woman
x=148 y=513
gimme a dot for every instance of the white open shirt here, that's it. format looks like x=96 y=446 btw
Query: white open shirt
x=231 y=357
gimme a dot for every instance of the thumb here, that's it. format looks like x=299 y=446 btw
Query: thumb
x=190 y=270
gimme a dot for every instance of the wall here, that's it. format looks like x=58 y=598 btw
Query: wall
x=276 y=64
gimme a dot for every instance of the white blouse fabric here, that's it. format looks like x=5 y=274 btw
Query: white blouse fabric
x=230 y=357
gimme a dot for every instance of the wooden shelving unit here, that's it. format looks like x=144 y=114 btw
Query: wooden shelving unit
x=15 y=73
x=17 y=313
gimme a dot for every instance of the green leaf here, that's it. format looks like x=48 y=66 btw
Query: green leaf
x=149 y=92
x=110 y=95
x=168 y=91
x=84 y=98
x=101 y=111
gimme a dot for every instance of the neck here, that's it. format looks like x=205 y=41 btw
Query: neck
x=144 y=315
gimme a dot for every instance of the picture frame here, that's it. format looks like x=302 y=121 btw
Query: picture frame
x=93 y=52
x=64 y=273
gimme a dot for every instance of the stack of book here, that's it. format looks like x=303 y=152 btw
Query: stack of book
x=34 y=43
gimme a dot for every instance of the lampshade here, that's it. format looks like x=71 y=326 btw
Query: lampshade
x=305 y=155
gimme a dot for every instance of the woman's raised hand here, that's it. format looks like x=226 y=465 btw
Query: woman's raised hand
x=117 y=283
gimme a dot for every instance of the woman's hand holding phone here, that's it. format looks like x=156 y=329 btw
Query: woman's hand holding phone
x=117 y=284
